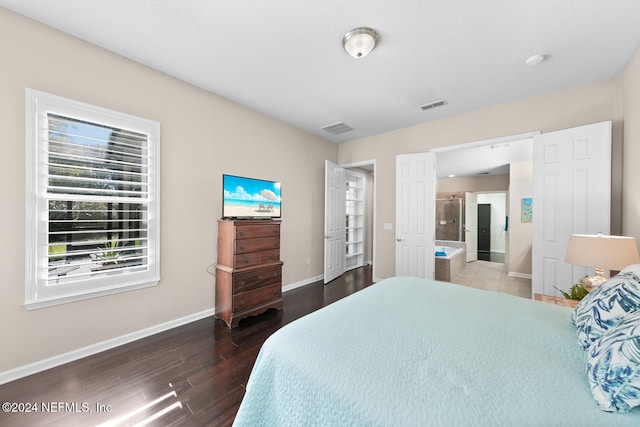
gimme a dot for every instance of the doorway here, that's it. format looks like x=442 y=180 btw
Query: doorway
x=489 y=172
x=354 y=241
x=361 y=215
x=484 y=231
x=492 y=226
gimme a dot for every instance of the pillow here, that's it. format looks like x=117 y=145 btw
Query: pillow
x=613 y=366
x=633 y=268
x=603 y=307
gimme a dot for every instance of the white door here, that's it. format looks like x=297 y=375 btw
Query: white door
x=334 y=221
x=415 y=215
x=571 y=194
x=471 y=225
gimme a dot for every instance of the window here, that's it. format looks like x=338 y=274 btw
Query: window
x=92 y=201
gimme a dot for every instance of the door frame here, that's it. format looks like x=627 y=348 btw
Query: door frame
x=372 y=163
x=481 y=143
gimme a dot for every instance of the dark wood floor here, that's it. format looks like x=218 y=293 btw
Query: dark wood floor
x=197 y=372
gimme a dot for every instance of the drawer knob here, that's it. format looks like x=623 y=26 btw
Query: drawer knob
x=242 y=282
x=259 y=277
x=241 y=248
x=241 y=302
x=275 y=292
x=241 y=233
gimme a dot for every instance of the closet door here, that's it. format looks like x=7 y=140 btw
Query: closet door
x=334 y=221
x=571 y=194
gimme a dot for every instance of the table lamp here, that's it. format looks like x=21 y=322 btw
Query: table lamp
x=602 y=253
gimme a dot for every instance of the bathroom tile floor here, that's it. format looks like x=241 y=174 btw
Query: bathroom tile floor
x=493 y=276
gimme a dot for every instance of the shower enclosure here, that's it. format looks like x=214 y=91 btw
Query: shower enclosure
x=449 y=219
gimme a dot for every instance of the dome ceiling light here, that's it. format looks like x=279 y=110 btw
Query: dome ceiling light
x=360 y=41
x=534 y=60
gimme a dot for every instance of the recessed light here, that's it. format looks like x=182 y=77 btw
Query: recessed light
x=535 y=59
x=452 y=176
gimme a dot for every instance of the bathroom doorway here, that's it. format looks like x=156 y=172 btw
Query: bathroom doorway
x=492 y=226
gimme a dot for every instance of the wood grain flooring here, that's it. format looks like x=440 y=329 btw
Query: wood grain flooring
x=193 y=375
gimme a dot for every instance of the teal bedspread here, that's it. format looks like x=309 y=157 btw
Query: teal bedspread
x=412 y=352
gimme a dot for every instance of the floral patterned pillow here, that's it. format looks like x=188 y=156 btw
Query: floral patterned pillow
x=613 y=366
x=605 y=306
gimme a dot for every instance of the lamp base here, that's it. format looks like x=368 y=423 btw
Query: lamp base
x=594 y=281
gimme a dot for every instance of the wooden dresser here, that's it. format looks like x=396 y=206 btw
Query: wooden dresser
x=249 y=270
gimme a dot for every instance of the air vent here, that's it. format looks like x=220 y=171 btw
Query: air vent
x=434 y=104
x=337 y=128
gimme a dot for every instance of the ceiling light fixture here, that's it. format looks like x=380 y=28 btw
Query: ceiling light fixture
x=360 y=41
x=535 y=59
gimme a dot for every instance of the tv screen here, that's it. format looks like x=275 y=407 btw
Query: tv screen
x=244 y=197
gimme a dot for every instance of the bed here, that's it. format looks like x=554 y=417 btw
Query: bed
x=413 y=352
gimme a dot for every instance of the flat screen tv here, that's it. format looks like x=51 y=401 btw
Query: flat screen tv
x=250 y=198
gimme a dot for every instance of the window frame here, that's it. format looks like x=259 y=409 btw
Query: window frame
x=39 y=292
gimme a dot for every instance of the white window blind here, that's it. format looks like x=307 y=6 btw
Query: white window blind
x=93 y=180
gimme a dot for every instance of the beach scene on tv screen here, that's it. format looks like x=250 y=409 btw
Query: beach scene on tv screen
x=250 y=198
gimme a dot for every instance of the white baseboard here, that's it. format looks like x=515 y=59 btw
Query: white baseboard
x=305 y=282
x=519 y=275
x=61 y=359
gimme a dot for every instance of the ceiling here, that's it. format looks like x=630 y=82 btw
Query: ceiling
x=284 y=58
x=479 y=158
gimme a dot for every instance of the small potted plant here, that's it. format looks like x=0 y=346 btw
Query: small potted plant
x=577 y=291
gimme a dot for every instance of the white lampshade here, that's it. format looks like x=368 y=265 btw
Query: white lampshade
x=601 y=253
x=360 y=41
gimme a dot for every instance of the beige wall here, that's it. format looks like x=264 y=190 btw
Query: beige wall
x=202 y=136
x=467 y=183
x=520 y=237
x=631 y=171
x=550 y=112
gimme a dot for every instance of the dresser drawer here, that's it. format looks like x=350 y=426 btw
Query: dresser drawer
x=257 y=278
x=254 y=298
x=257 y=244
x=256 y=258
x=261 y=230
x=249 y=270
